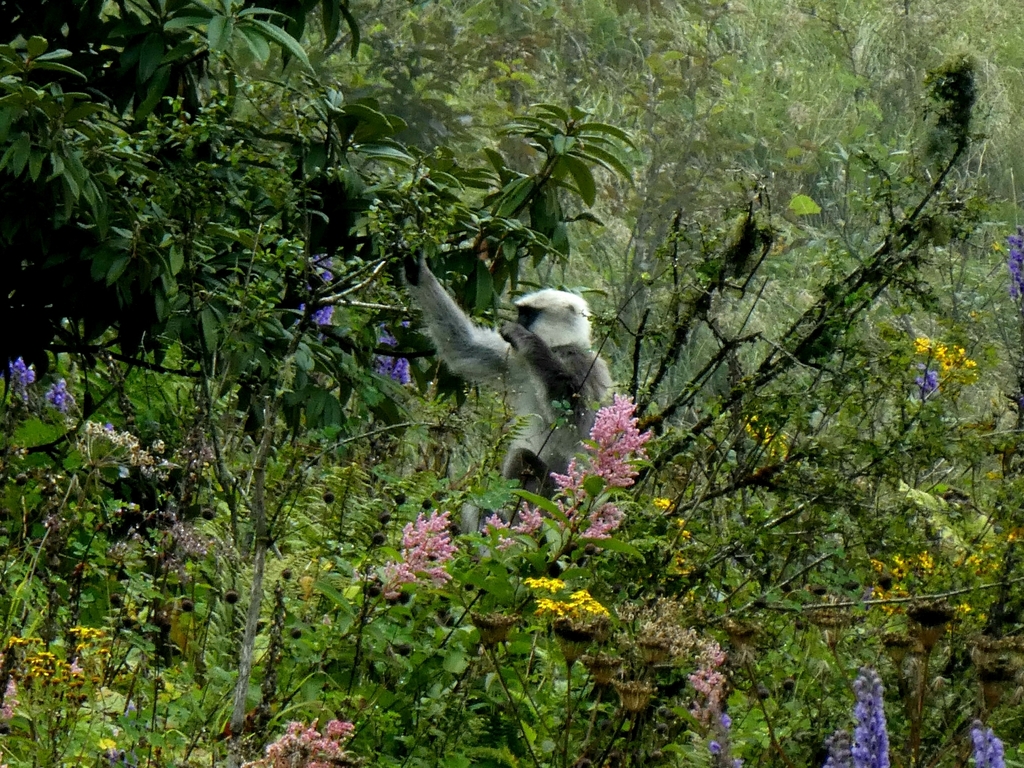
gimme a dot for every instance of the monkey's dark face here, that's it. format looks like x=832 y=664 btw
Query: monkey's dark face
x=528 y=316
x=558 y=318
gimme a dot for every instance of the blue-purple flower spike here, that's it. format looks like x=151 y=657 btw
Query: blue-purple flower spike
x=59 y=397
x=1015 y=263
x=870 y=736
x=20 y=377
x=988 y=750
x=395 y=367
x=840 y=754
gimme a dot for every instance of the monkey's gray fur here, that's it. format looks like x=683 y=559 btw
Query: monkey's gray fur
x=542 y=358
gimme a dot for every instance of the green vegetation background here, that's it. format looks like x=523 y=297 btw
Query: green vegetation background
x=785 y=215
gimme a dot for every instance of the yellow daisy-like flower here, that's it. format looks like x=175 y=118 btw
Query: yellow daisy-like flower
x=106 y=745
x=554 y=607
x=549 y=585
x=582 y=602
x=662 y=504
x=922 y=345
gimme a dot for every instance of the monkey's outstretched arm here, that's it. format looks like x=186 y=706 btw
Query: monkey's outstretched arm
x=468 y=349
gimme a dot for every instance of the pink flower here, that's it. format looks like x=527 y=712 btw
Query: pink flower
x=708 y=683
x=426 y=548
x=530 y=521
x=303 y=745
x=494 y=524
x=616 y=443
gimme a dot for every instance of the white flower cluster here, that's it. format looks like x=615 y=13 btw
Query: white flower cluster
x=105 y=446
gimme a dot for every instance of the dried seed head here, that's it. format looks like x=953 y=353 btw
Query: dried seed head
x=898 y=645
x=929 y=621
x=654 y=650
x=493 y=627
x=741 y=634
x=634 y=695
x=602 y=667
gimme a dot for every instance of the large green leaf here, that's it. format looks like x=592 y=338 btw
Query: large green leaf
x=282 y=38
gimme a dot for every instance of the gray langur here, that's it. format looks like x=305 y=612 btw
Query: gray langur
x=541 y=359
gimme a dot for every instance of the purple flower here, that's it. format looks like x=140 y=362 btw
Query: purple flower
x=1015 y=263
x=726 y=721
x=715 y=748
x=59 y=397
x=927 y=382
x=870 y=736
x=323 y=315
x=396 y=368
x=988 y=750
x=840 y=754
x=20 y=376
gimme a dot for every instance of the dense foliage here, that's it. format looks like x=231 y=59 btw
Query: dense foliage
x=230 y=466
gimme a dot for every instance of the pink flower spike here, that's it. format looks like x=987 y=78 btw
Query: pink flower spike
x=530 y=521
x=426 y=548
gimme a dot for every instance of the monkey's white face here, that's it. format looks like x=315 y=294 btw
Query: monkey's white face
x=557 y=317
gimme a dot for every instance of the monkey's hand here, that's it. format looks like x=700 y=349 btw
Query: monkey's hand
x=515 y=335
x=414 y=266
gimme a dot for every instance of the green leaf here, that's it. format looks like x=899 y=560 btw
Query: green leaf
x=353 y=26
x=282 y=38
x=614 y=545
x=583 y=177
x=331 y=20
x=385 y=152
x=184 y=22
x=456 y=661
x=210 y=326
x=35 y=164
x=513 y=196
x=554 y=110
x=157 y=87
x=150 y=55
x=611 y=130
x=258 y=44
x=543 y=504
x=36 y=46
x=52 y=66
x=59 y=53
x=604 y=158
x=593 y=485
x=802 y=205
x=219 y=32
x=16 y=156
x=484 y=293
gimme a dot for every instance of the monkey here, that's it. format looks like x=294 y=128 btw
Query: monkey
x=541 y=359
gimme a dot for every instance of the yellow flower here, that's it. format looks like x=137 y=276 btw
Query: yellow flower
x=554 y=607
x=580 y=605
x=922 y=345
x=582 y=602
x=662 y=504
x=106 y=745
x=549 y=585
x=87 y=633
